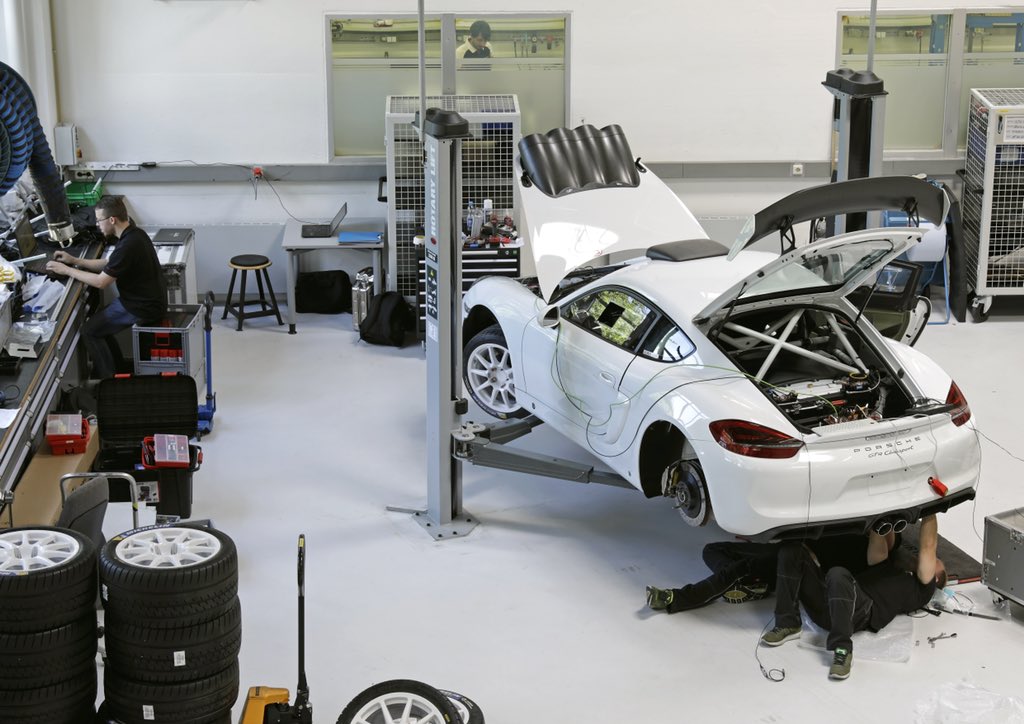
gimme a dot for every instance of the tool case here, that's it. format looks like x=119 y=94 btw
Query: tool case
x=1003 y=554
x=362 y=291
x=131 y=409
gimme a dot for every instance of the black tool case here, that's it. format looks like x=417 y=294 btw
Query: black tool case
x=130 y=409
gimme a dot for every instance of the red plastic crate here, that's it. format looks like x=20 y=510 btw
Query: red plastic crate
x=69 y=443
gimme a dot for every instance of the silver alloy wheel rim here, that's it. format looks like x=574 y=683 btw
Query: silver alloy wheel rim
x=489 y=370
x=35 y=550
x=399 y=707
x=167 y=548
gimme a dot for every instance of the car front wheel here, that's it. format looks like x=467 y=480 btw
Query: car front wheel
x=487 y=372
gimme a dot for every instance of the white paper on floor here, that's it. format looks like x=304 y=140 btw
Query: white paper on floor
x=892 y=643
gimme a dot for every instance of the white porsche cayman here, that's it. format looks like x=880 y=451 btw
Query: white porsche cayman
x=750 y=385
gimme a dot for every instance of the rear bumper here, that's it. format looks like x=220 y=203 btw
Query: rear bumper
x=862 y=524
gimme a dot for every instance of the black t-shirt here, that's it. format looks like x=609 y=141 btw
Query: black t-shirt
x=483 y=52
x=140 y=280
x=892 y=591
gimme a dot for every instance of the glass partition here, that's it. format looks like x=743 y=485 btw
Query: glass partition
x=912 y=58
x=372 y=58
x=993 y=57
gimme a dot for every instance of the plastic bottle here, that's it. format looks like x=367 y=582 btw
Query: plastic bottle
x=477 y=219
x=488 y=210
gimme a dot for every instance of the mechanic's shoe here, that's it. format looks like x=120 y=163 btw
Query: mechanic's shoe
x=659 y=599
x=743 y=590
x=841 y=663
x=780 y=635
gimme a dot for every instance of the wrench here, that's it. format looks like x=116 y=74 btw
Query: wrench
x=943 y=635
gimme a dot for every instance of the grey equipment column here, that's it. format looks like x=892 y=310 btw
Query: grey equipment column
x=859 y=120
x=442 y=134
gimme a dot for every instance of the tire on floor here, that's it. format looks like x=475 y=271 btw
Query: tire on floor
x=400 y=697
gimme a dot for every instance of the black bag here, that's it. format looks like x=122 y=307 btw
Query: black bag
x=323 y=292
x=388 y=318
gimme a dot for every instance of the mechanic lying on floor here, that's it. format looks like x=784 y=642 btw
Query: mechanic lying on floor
x=743 y=571
x=841 y=602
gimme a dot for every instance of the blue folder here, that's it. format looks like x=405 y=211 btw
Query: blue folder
x=344 y=236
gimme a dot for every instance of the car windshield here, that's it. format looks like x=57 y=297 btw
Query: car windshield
x=825 y=270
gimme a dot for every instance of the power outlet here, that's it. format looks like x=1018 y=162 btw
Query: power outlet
x=797 y=169
x=84 y=175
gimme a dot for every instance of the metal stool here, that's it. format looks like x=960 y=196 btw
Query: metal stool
x=258 y=264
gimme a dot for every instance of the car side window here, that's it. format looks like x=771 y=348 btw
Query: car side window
x=666 y=342
x=612 y=314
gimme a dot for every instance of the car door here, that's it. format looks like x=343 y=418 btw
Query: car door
x=597 y=337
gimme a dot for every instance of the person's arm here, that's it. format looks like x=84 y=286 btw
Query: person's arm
x=92 y=265
x=100 y=280
x=928 y=545
x=878 y=548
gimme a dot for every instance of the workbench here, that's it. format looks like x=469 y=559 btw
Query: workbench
x=39 y=381
x=295 y=246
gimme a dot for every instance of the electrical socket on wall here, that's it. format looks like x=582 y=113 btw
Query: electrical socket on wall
x=797 y=169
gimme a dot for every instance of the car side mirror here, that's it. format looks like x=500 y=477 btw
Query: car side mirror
x=548 y=317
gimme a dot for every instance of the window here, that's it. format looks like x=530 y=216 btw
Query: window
x=667 y=343
x=611 y=314
x=371 y=58
x=929 y=63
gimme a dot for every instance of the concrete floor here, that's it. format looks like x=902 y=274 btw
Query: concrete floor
x=538 y=614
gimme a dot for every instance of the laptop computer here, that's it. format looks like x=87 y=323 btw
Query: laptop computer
x=319 y=231
x=172 y=236
x=29 y=247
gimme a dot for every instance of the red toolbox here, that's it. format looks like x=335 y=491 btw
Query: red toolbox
x=131 y=410
x=67 y=434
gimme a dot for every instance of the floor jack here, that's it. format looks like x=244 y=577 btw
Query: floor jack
x=268 y=705
x=399 y=701
x=206 y=411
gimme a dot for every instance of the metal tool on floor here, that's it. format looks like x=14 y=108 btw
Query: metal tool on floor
x=943 y=635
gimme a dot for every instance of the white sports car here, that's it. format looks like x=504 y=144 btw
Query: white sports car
x=748 y=384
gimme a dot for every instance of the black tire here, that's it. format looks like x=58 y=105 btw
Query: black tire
x=69 y=702
x=37 y=660
x=137 y=587
x=428 y=705
x=192 y=702
x=174 y=654
x=487 y=374
x=468 y=710
x=56 y=589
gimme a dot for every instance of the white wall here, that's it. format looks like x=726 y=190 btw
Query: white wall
x=245 y=80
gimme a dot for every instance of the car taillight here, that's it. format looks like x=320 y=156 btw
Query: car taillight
x=961 y=411
x=753 y=440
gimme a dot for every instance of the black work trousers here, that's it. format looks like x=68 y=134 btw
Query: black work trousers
x=832 y=599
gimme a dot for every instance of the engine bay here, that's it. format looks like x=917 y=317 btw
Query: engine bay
x=813 y=364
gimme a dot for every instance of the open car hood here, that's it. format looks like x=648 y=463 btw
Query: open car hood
x=831 y=268
x=570 y=231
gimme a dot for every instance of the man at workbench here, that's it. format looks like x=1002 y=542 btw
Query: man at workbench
x=134 y=266
x=842 y=603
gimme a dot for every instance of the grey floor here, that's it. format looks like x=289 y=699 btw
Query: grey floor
x=538 y=614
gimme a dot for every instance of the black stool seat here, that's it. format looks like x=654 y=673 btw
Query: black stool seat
x=257 y=264
x=249 y=261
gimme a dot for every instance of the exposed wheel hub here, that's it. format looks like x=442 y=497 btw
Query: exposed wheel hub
x=684 y=482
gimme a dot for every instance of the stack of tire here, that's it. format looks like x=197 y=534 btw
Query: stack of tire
x=47 y=626
x=173 y=625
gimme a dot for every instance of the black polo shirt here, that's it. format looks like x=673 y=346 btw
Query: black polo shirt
x=140 y=280
x=892 y=591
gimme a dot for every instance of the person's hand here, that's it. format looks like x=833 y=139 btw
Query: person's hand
x=63 y=256
x=57 y=267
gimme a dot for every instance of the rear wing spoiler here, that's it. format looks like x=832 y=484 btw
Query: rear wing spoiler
x=919 y=199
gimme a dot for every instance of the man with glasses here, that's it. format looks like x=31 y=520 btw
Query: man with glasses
x=841 y=602
x=134 y=266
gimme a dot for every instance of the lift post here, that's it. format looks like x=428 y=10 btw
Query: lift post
x=442 y=132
